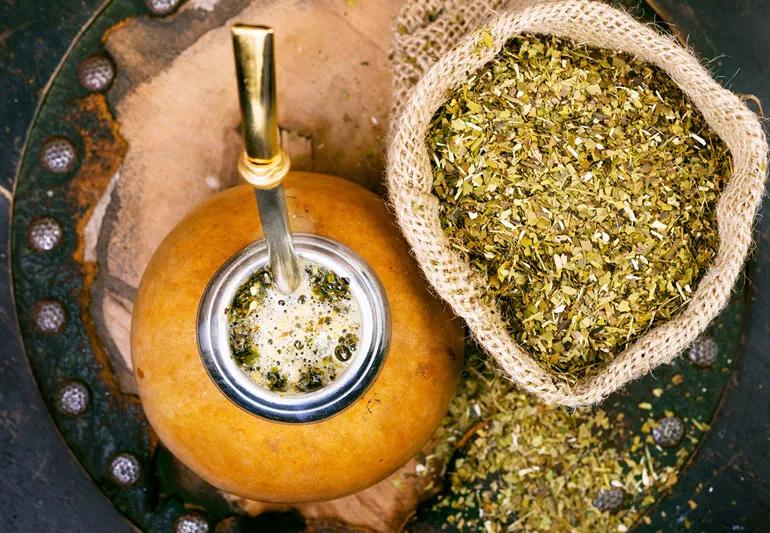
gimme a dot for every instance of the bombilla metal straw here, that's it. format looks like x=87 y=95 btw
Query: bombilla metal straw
x=263 y=163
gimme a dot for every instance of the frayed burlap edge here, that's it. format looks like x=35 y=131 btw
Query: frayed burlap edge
x=410 y=179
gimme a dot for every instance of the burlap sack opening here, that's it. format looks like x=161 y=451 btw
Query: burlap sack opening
x=431 y=27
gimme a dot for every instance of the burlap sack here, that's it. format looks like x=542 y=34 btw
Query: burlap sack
x=437 y=43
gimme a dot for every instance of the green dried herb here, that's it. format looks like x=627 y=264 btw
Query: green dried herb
x=517 y=464
x=581 y=183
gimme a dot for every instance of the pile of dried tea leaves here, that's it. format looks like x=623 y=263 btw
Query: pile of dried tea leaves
x=582 y=184
x=520 y=464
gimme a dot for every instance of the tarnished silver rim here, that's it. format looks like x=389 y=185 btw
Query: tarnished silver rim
x=214 y=347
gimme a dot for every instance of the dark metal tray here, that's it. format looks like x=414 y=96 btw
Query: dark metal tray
x=45 y=488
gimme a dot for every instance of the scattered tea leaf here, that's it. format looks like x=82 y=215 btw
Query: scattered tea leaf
x=517 y=464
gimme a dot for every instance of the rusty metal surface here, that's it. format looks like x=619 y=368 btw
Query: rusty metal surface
x=43 y=486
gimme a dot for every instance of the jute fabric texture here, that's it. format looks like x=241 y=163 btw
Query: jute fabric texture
x=436 y=47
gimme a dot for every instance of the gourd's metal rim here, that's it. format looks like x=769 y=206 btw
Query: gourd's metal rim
x=214 y=347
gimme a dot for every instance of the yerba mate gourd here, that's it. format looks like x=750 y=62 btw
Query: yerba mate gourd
x=258 y=442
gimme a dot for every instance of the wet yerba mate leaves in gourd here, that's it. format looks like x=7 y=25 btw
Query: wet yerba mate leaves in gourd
x=294 y=343
x=582 y=184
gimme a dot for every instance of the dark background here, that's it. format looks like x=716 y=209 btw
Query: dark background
x=42 y=487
